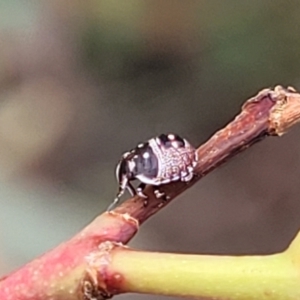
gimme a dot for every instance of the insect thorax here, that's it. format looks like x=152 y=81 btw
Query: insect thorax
x=173 y=162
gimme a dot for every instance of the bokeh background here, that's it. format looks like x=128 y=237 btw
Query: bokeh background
x=83 y=81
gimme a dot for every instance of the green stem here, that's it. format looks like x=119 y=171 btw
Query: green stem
x=217 y=277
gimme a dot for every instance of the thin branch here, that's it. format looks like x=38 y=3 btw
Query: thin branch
x=269 y=113
x=253 y=277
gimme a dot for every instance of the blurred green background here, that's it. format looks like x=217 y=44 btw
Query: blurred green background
x=83 y=81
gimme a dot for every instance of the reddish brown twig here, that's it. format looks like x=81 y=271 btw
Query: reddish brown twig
x=270 y=112
x=77 y=268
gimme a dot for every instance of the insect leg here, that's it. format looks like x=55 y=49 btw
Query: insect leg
x=117 y=199
x=140 y=189
x=131 y=189
x=125 y=184
x=158 y=194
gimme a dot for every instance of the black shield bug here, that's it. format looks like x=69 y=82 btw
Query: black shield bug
x=159 y=161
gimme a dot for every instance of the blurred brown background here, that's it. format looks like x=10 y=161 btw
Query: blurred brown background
x=83 y=81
